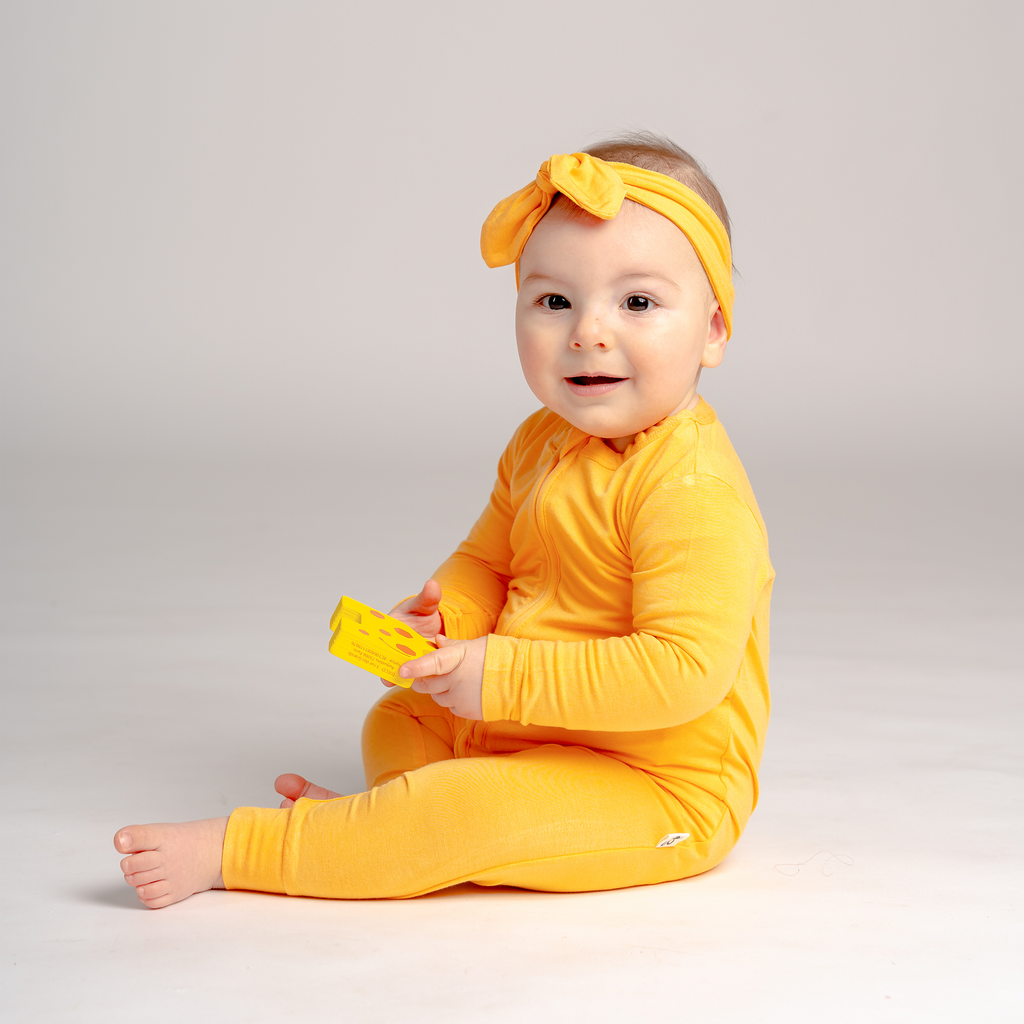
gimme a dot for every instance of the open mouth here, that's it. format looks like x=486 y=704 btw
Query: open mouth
x=592 y=381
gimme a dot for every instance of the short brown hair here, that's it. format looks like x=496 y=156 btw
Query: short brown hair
x=656 y=153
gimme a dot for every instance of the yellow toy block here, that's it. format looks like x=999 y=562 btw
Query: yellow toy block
x=374 y=641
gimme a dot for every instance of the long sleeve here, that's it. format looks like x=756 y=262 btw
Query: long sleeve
x=700 y=570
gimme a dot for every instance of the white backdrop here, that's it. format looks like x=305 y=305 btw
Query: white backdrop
x=248 y=230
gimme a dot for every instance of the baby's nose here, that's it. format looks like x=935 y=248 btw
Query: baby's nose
x=590 y=332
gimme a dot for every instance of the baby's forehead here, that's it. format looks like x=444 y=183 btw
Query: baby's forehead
x=635 y=229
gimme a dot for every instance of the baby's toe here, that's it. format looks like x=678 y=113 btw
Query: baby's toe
x=138 y=878
x=136 y=838
x=290 y=786
x=153 y=890
x=144 y=861
x=157 y=902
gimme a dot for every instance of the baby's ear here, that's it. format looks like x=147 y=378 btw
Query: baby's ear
x=718 y=338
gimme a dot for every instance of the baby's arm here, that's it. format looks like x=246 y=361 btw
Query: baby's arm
x=700 y=570
x=700 y=567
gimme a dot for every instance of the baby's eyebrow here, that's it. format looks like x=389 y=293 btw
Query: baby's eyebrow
x=537 y=277
x=649 y=275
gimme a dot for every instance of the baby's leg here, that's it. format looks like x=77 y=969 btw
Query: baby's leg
x=557 y=818
x=169 y=862
x=406 y=730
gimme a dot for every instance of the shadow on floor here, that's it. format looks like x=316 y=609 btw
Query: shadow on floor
x=113 y=895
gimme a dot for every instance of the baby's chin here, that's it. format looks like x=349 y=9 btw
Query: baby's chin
x=611 y=429
x=617 y=431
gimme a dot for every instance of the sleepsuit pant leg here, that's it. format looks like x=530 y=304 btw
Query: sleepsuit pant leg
x=551 y=817
x=403 y=731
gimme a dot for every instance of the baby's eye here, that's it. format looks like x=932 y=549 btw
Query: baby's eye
x=638 y=303
x=555 y=302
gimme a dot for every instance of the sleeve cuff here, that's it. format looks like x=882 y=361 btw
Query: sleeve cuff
x=253 y=855
x=459 y=625
x=500 y=696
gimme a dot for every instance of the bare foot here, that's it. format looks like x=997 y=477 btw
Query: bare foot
x=170 y=862
x=293 y=787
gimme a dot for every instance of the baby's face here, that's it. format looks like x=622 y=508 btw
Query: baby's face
x=614 y=320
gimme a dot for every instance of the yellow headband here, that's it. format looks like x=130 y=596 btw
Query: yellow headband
x=599 y=187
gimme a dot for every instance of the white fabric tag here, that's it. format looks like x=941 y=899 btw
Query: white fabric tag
x=673 y=838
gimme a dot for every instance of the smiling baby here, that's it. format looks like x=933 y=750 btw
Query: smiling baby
x=596 y=710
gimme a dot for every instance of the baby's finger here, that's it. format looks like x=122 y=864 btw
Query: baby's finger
x=436 y=663
x=424 y=603
x=435 y=686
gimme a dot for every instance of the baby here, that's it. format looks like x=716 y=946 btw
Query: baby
x=595 y=713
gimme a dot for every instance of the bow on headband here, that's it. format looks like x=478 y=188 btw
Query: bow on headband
x=599 y=187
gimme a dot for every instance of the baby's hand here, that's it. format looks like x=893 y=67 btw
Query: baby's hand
x=421 y=613
x=453 y=675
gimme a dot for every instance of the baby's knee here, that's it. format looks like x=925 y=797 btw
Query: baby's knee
x=403 y=731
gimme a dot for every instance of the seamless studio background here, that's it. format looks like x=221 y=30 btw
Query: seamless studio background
x=252 y=360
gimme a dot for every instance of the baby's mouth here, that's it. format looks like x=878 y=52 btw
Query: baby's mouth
x=593 y=385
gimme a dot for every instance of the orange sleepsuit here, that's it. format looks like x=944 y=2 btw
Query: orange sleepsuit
x=625 y=696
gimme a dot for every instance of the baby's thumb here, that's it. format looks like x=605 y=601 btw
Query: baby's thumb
x=427 y=600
